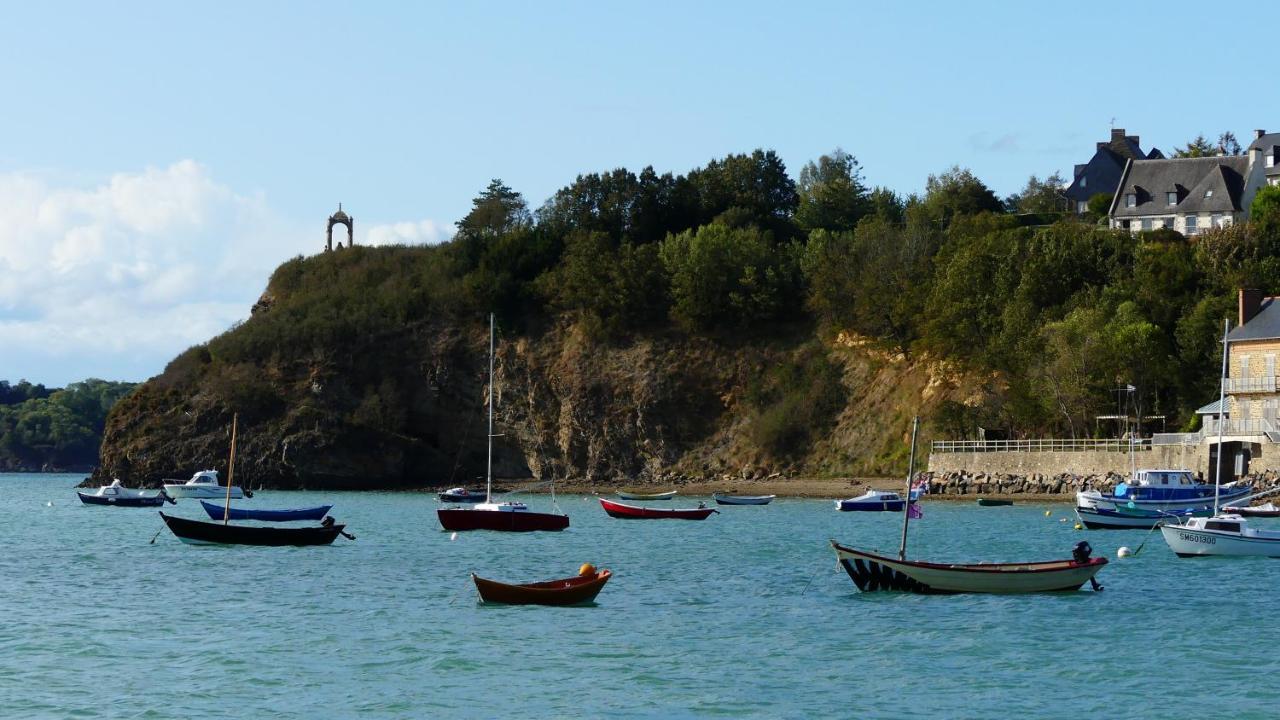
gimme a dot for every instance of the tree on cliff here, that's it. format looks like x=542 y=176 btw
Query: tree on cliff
x=832 y=195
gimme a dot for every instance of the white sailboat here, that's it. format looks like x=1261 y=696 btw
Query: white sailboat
x=1223 y=533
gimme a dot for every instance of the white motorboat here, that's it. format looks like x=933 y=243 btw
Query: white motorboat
x=203 y=484
x=1220 y=535
x=1163 y=491
x=120 y=496
x=873 y=501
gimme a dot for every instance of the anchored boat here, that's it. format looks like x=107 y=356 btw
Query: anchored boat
x=742 y=499
x=198 y=532
x=873 y=501
x=120 y=496
x=872 y=572
x=577 y=590
x=636 y=495
x=218 y=512
x=203 y=484
x=635 y=512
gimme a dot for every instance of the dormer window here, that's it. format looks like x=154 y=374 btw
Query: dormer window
x=1130 y=200
x=1172 y=198
x=1208 y=194
x=1084 y=181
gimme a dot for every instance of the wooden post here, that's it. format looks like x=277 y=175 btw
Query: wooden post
x=911 y=471
x=231 y=470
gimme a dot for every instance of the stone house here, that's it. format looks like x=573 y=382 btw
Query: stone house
x=1192 y=195
x=1102 y=173
x=1269 y=145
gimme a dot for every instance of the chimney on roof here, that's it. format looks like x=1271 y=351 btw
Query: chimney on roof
x=1259 y=133
x=1117 y=134
x=1250 y=304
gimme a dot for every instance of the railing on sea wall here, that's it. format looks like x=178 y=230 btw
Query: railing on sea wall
x=1039 y=445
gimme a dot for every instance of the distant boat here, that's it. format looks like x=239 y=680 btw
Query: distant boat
x=742 y=499
x=198 y=532
x=874 y=572
x=1221 y=534
x=218 y=512
x=987 y=502
x=1125 y=518
x=1262 y=511
x=566 y=591
x=1164 y=490
x=203 y=484
x=120 y=496
x=501 y=516
x=635 y=512
x=462 y=495
x=633 y=495
x=873 y=501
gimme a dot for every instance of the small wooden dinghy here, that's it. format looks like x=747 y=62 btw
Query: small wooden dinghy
x=633 y=512
x=218 y=512
x=198 y=532
x=988 y=502
x=874 y=572
x=636 y=495
x=1262 y=511
x=565 y=591
x=742 y=499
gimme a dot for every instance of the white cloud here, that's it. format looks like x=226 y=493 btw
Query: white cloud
x=423 y=232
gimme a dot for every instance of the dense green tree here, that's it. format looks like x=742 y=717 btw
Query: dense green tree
x=1039 y=196
x=757 y=183
x=1199 y=146
x=958 y=192
x=1099 y=205
x=886 y=205
x=495 y=212
x=832 y=195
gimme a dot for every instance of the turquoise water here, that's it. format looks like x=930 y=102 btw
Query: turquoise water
x=743 y=615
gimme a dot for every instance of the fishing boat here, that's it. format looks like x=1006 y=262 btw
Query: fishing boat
x=1222 y=534
x=218 y=512
x=988 y=502
x=203 y=484
x=1164 y=490
x=636 y=495
x=742 y=499
x=873 y=501
x=635 y=512
x=501 y=516
x=1268 y=510
x=872 y=572
x=462 y=495
x=576 y=590
x=120 y=496
x=1125 y=518
x=199 y=532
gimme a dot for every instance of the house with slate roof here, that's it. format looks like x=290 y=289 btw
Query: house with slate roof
x=1102 y=173
x=1268 y=144
x=1190 y=195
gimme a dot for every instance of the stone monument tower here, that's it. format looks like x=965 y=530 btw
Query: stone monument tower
x=340 y=218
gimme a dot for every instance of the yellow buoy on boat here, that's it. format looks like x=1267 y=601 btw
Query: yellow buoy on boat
x=1047 y=513
x=587 y=569
x=1079 y=526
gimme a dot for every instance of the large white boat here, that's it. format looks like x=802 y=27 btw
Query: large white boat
x=1162 y=490
x=1220 y=535
x=203 y=484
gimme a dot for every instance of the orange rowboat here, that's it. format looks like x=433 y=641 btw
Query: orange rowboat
x=566 y=591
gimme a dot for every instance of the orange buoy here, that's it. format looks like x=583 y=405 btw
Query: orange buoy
x=587 y=569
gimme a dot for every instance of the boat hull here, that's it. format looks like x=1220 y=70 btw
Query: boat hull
x=743 y=499
x=461 y=497
x=1194 y=542
x=567 y=591
x=987 y=502
x=871 y=573
x=1105 y=519
x=198 y=532
x=1201 y=498
x=462 y=519
x=632 y=512
x=217 y=512
x=646 y=496
x=1258 y=512
x=206 y=493
x=870 y=506
x=123 y=501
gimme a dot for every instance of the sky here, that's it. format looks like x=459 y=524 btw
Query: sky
x=160 y=159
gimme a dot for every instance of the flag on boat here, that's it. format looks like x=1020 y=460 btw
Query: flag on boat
x=913 y=511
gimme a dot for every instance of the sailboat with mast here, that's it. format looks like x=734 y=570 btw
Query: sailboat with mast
x=506 y=516
x=1223 y=533
x=874 y=572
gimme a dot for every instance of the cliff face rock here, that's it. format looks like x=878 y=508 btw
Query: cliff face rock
x=392 y=396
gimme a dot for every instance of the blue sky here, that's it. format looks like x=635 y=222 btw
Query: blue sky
x=162 y=158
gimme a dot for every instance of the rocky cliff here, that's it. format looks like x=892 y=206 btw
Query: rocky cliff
x=401 y=405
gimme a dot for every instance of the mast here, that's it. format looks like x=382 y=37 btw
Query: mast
x=1222 y=414
x=488 y=475
x=911 y=471
x=231 y=470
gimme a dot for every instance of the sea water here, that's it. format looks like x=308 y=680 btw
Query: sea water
x=745 y=614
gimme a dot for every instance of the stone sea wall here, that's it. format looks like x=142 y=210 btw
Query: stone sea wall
x=1069 y=462
x=1065 y=484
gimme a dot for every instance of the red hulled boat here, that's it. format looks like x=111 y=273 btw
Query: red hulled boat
x=635 y=512
x=566 y=591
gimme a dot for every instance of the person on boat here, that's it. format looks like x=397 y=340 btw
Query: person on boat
x=327 y=522
x=1080 y=555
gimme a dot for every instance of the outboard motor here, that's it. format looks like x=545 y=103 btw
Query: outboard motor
x=1081 y=552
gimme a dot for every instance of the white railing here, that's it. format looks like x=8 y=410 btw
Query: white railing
x=1177 y=438
x=1246 y=426
x=1039 y=445
x=1251 y=385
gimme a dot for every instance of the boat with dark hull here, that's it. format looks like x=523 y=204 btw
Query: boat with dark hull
x=635 y=512
x=218 y=512
x=566 y=591
x=461 y=495
x=722 y=499
x=120 y=496
x=991 y=502
x=872 y=573
x=1125 y=518
x=199 y=532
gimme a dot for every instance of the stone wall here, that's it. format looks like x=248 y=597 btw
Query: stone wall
x=1065 y=484
x=1076 y=462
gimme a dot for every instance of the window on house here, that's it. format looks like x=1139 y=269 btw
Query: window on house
x=1084 y=181
x=1082 y=206
x=1172 y=198
x=1208 y=193
x=1130 y=200
x=1191 y=225
x=1271 y=161
x=1146 y=223
x=1216 y=220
